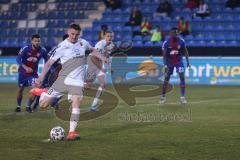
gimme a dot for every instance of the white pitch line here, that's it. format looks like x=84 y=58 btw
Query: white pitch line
x=189 y=102
x=48 y=111
x=46 y=140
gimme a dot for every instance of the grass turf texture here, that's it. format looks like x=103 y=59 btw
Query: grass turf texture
x=211 y=133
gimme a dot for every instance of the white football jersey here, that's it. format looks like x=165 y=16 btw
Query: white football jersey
x=67 y=50
x=69 y=54
x=105 y=49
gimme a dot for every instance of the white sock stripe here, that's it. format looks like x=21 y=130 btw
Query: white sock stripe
x=73 y=126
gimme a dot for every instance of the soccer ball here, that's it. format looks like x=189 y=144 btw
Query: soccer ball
x=57 y=134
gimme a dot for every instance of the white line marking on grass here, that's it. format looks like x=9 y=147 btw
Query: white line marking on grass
x=189 y=102
x=48 y=111
x=46 y=140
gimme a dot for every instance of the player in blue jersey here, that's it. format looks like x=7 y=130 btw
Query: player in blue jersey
x=50 y=77
x=173 y=51
x=28 y=59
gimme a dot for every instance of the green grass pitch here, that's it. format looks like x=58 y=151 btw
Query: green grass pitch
x=207 y=128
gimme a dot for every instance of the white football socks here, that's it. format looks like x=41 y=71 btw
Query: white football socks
x=74 y=118
x=98 y=94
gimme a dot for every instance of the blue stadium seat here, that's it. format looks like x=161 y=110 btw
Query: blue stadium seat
x=136 y=2
x=146 y=2
x=43 y=41
x=22 y=33
x=146 y=10
x=51 y=42
x=191 y=43
x=127 y=37
x=31 y=32
x=219 y=28
x=230 y=36
x=60 y=32
x=189 y=37
x=199 y=37
x=237 y=10
x=12 y=33
x=146 y=38
x=118 y=37
x=62 y=23
x=117 y=19
x=117 y=28
x=125 y=28
x=209 y=36
x=208 y=27
x=51 y=32
x=124 y=19
x=1 y=42
x=42 y=32
x=42 y=15
x=148 y=44
x=106 y=20
x=12 y=24
x=233 y=43
x=136 y=28
x=95 y=28
x=208 y=19
x=13 y=42
x=138 y=44
x=88 y=37
x=5 y=43
x=201 y=43
x=22 y=15
x=61 y=14
x=211 y=43
x=157 y=44
x=137 y=38
x=222 y=43
x=220 y=37
x=229 y=27
x=117 y=11
x=52 y=24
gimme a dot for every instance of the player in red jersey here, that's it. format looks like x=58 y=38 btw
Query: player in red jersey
x=173 y=51
x=28 y=59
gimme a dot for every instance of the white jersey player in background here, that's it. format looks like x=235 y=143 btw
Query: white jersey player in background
x=105 y=48
x=71 y=77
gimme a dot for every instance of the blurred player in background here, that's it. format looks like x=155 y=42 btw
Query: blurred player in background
x=173 y=50
x=28 y=59
x=96 y=67
x=50 y=77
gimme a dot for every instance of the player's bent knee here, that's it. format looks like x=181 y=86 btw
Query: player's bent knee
x=43 y=105
x=102 y=85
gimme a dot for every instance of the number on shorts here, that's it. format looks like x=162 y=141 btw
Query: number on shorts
x=32 y=81
x=50 y=91
x=181 y=69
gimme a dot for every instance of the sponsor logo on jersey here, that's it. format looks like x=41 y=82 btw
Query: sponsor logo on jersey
x=32 y=59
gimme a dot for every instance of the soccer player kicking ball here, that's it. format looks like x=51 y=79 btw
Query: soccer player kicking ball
x=96 y=69
x=28 y=59
x=173 y=50
x=71 y=77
